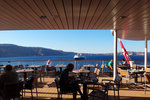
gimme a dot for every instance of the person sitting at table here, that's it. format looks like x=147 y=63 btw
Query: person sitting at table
x=49 y=67
x=124 y=62
x=68 y=83
x=52 y=68
x=8 y=76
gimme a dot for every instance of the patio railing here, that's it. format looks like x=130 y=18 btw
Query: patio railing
x=77 y=63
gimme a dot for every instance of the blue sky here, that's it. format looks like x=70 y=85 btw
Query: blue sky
x=81 y=41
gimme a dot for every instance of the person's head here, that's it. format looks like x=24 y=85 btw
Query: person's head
x=70 y=67
x=111 y=59
x=8 y=68
x=123 y=59
x=96 y=65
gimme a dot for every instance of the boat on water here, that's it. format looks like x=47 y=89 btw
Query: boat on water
x=79 y=57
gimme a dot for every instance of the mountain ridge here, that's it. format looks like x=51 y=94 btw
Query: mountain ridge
x=11 y=50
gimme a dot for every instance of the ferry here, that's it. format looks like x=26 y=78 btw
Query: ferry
x=79 y=57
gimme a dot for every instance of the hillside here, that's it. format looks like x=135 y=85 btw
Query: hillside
x=10 y=50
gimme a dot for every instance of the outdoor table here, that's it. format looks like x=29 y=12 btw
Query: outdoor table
x=81 y=72
x=24 y=71
x=136 y=72
x=124 y=66
x=88 y=66
x=60 y=67
x=35 y=67
x=85 y=82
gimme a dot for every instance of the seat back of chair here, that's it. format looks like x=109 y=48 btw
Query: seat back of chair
x=118 y=79
x=147 y=70
x=95 y=70
x=102 y=66
x=125 y=73
x=139 y=66
x=119 y=70
x=147 y=78
x=134 y=66
x=12 y=90
x=98 y=72
x=29 y=83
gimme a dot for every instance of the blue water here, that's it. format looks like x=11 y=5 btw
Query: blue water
x=87 y=57
x=138 y=59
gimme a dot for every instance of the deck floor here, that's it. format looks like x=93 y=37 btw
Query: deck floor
x=47 y=91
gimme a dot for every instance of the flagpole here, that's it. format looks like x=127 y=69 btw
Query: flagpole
x=115 y=55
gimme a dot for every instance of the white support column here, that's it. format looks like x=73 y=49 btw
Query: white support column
x=115 y=55
x=145 y=59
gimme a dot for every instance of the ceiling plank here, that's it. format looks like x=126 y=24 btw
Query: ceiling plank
x=43 y=8
x=137 y=17
x=9 y=11
x=6 y=18
x=126 y=11
x=76 y=13
x=61 y=13
x=102 y=6
x=124 y=4
x=54 y=13
x=84 y=11
x=21 y=12
x=69 y=12
x=107 y=11
x=92 y=10
x=37 y=11
x=30 y=12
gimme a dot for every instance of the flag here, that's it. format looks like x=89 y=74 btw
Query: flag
x=125 y=53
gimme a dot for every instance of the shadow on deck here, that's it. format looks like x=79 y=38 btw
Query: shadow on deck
x=47 y=91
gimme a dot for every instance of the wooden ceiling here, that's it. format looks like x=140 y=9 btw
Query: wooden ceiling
x=131 y=18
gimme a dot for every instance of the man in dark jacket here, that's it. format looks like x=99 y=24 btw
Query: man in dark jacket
x=8 y=76
x=68 y=83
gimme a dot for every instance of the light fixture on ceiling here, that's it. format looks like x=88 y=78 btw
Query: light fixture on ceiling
x=123 y=17
x=42 y=17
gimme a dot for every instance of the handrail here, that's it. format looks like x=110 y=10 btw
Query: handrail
x=56 y=60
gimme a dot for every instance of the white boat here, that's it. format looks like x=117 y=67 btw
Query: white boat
x=79 y=57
